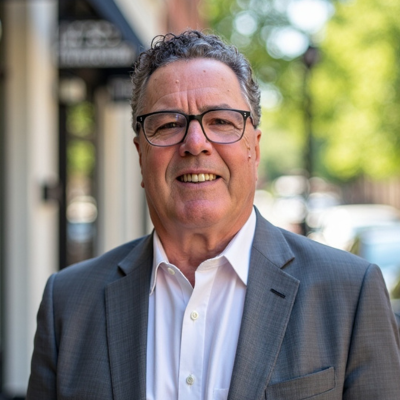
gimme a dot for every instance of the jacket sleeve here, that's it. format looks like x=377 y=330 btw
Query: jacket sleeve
x=373 y=367
x=42 y=381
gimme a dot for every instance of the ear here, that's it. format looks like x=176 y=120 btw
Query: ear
x=136 y=141
x=257 y=146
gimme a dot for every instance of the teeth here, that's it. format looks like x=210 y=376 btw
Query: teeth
x=197 y=177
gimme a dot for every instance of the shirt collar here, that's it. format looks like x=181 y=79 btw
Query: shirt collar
x=237 y=252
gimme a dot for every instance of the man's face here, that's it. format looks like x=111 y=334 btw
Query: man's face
x=224 y=202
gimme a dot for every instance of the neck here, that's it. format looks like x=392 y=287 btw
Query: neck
x=188 y=251
x=188 y=248
x=189 y=242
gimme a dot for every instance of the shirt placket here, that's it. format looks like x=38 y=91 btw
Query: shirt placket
x=194 y=336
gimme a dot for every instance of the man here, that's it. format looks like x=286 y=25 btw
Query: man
x=217 y=303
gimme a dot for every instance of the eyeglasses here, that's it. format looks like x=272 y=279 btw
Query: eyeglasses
x=166 y=128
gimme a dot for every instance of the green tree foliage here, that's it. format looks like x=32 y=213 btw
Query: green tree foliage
x=81 y=157
x=251 y=25
x=80 y=147
x=354 y=87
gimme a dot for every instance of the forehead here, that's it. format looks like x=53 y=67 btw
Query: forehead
x=193 y=83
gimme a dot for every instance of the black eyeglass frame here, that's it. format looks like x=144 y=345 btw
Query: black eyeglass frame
x=198 y=117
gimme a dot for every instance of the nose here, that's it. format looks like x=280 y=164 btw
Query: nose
x=195 y=141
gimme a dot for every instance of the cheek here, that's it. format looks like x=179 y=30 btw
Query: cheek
x=239 y=165
x=155 y=162
x=244 y=169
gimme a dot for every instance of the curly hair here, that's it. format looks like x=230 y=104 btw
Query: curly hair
x=188 y=45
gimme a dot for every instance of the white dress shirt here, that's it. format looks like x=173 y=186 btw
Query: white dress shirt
x=193 y=332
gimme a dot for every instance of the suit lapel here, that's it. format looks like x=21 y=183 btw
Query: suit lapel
x=127 y=313
x=269 y=300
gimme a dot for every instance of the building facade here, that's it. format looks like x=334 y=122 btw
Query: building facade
x=69 y=174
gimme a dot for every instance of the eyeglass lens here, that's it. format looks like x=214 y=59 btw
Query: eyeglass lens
x=220 y=126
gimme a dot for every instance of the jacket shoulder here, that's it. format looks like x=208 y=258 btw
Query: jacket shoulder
x=308 y=250
x=329 y=270
x=103 y=269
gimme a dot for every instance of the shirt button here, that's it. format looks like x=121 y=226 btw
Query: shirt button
x=190 y=380
x=171 y=271
x=194 y=315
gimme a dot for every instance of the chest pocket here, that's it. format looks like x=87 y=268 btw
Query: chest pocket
x=304 y=387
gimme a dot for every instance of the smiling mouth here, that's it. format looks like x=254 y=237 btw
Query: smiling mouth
x=197 y=178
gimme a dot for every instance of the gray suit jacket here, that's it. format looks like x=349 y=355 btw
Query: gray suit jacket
x=317 y=323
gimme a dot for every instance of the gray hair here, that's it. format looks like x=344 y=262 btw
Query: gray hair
x=192 y=44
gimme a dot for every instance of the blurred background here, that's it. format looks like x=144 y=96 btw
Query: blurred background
x=329 y=72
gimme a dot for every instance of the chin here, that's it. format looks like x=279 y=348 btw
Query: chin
x=199 y=215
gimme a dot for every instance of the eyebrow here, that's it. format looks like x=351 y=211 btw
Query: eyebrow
x=215 y=107
x=204 y=109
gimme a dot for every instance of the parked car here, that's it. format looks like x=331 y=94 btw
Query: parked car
x=381 y=246
x=339 y=225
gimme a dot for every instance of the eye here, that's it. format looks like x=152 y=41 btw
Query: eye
x=223 y=120
x=220 y=121
x=218 y=124
x=170 y=125
x=164 y=123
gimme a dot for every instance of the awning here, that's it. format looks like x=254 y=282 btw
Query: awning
x=107 y=40
x=108 y=10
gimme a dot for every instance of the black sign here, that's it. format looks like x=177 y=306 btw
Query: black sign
x=93 y=43
x=120 y=89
